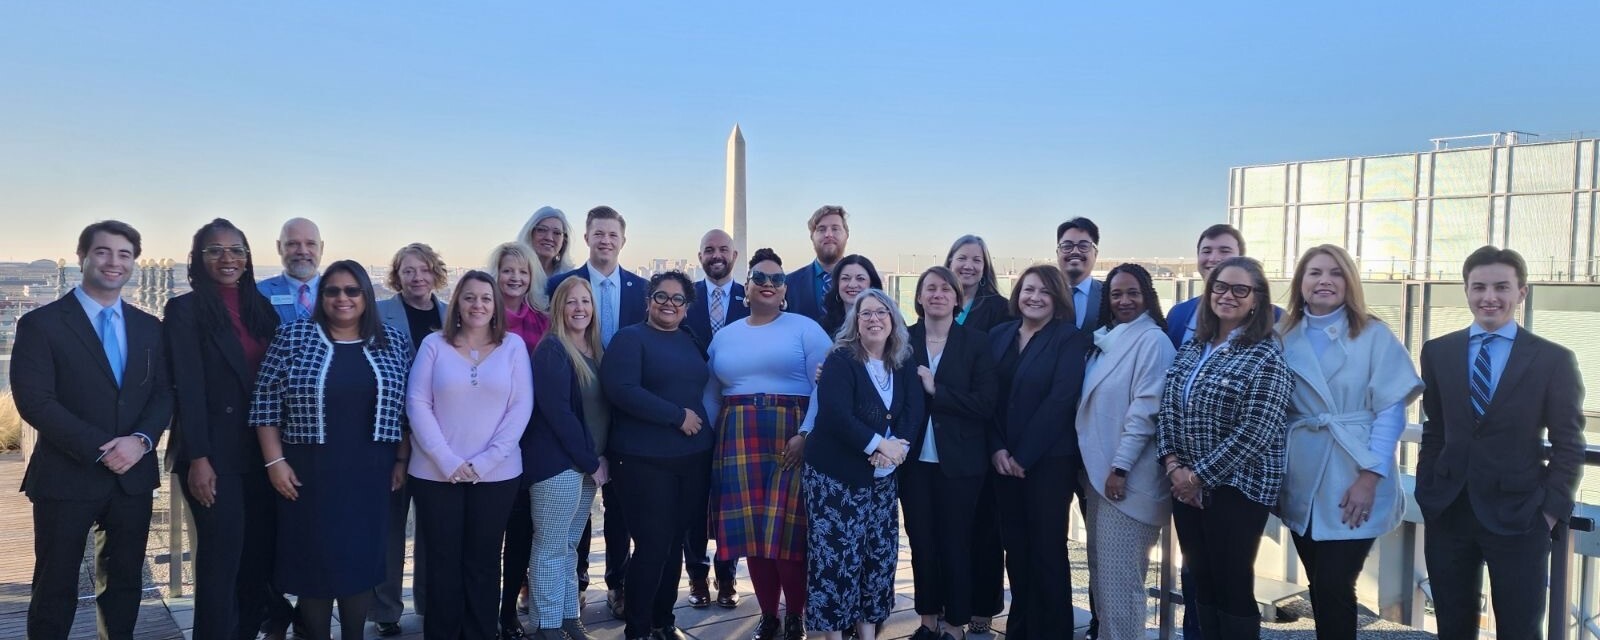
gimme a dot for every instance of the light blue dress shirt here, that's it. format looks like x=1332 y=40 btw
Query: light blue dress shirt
x=1499 y=351
x=613 y=296
x=1080 y=299
x=119 y=322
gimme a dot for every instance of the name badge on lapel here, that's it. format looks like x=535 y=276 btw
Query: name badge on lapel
x=281 y=299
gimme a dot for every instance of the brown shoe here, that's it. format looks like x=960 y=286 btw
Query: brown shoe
x=727 y=596
x=699 y=593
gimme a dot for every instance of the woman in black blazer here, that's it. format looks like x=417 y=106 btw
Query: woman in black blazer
x=941 y=483
x=1033 y=445
x=982 y=307
x=216 y=336
x=870 y=415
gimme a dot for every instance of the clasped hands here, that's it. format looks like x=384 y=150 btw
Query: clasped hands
x=465 y=473
x=890 y=452
x=1186 y=485
x=121 y=453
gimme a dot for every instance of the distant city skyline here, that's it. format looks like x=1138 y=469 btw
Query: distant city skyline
x=452 y=124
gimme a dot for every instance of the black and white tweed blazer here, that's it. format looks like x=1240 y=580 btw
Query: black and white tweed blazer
x=1230 y=429
x=289 y=387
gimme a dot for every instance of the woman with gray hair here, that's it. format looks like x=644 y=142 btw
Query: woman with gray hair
x=549 y=235
x=870 y=407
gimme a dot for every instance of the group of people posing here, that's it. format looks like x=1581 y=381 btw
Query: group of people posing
x=794 y=418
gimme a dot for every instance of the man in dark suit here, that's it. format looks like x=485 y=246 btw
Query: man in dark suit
x=293 y=293
x=619 y=301
x=1077 y=247
x=90 y=373
x=719 y=302
x=1489 y=491
x=830 y=231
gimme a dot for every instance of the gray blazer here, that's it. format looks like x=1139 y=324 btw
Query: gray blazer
x=393 y=312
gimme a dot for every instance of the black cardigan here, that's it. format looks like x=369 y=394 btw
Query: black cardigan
x=850 y=412
x=989 y=310
x=1042 y=408
x=963 y=407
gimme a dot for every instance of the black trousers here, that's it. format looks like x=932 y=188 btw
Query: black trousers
x=662 y=497
x=465 y=524
x=518 y=552
x=1033 y=526
x=1333 y=566
x=695 y=559
x=1219 y=547
x=1456 y=547
x=233 y=556
x=617 y=540
x=938 y=512
x=988 y=554
x=388 y=603
x=122 y=526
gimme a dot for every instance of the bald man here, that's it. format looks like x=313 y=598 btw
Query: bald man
x=294 y=292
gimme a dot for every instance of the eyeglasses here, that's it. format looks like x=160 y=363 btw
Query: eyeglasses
x=349 y=292
x=216 y=251
x=1083 y=246
x=554 y=232
x=875 y=314
x=764 y=279
x=664 y=298
x=1240 y=291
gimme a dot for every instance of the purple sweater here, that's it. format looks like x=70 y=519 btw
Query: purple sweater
x=454 y=421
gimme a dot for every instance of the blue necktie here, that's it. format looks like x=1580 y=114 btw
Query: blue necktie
x=608 y=314
x=108 y=339
x=1481 y=375
x=827 y=285
x=1080 y=305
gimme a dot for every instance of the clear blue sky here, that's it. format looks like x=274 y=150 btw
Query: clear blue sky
x=451 y=122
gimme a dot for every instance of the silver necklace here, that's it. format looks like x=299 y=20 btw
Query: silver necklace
x=883 y=384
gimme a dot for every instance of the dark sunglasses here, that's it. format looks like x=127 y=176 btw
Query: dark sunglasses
x=764 y=279
x=1240 y=291
x=664 y=298
x=349 y=292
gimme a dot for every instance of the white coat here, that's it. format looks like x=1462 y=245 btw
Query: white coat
x=1117 y=416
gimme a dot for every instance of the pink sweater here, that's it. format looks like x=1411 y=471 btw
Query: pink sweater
x=454 y=421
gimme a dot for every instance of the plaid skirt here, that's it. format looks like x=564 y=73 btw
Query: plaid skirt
x=757 y=507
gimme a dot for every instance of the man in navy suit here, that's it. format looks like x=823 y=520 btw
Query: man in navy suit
x=719 y=302
x=1489 y=489
x=830 y=231
x=90 y=373
x=294 y=292
x=619 y=301
x=1216 y=244
x=1077 y=247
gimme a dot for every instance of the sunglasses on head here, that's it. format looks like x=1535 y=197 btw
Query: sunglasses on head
x=349 y=292
x=764 y=279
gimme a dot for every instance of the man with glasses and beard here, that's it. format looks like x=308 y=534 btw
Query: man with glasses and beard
x=719 y=303
x=1077 y=247
x=808 y=285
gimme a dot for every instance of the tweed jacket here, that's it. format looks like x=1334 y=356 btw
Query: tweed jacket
x=1230 y=428
x=289 y=388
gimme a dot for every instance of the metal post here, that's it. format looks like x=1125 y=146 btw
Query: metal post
x=1560 y=558
x=175 y=518
x=1165 y=611
x=1585 y=597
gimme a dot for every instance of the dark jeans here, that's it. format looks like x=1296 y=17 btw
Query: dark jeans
x=1219 y=548
x=938 y=512
x=1333 y=566
x=1456 y=547
x=465 y=523
x=662 y=497
x=1033 y=524
x=617 y=540
x=234 y=552
x=121 y=525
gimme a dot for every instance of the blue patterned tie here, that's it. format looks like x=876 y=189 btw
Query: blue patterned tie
x=1481 y=375
x=608 y=314
x=108 y=340
x=827 y=283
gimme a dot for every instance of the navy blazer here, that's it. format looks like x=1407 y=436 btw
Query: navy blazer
x=635 y=290
x=963 y=406
x=1091 y=320
x=1500 y=460
x=802 y=294
x=850 y=412
x=64 y=387
x=557 y=438
x=279 y=286
x=212 y=385
x=698 y=322
x=1042 y=408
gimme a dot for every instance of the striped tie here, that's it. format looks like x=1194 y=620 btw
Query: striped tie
x=1481 y=391
x=718 y=310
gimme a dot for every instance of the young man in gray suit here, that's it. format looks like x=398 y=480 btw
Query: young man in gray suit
x=1488 y=490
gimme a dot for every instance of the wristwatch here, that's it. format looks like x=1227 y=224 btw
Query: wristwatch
x=1120 y=473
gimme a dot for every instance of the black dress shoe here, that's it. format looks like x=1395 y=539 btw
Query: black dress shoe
x=388 y=629
x=668 y=632
x=513 y=631
x=768 y=629
x=924 y=633
x=699 y=593
x=727 y=595
x=794 y=628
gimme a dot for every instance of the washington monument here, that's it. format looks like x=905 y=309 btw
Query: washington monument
x=733 y=206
